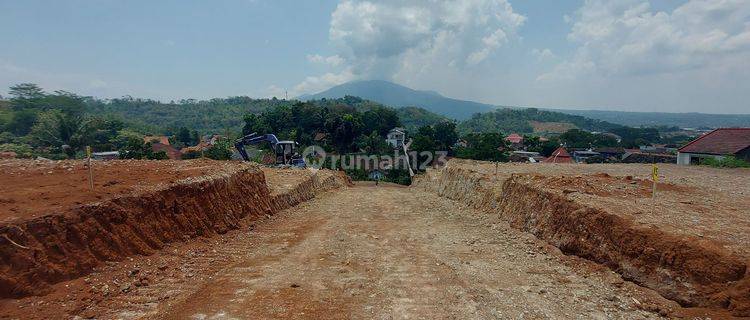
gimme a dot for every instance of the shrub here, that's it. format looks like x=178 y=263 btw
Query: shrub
x=221 y=150
x=21 y=150
x=726 y=162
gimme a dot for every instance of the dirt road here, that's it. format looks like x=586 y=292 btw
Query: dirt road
x=393 y=252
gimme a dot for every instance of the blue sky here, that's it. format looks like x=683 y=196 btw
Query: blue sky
x=672 y=56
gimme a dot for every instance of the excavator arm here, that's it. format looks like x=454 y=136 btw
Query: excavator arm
x=252 y=139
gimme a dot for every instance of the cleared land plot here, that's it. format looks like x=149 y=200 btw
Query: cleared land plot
x=691 y=200
x=33 y=188
x=690 y=243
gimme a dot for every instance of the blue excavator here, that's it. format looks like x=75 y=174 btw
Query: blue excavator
x=285 y=151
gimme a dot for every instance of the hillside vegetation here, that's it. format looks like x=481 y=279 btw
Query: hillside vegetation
x=522 y=120
x=682 y=120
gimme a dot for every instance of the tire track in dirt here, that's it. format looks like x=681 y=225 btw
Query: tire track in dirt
x=387 y=252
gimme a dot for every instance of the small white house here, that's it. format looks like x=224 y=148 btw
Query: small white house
x=396 y=137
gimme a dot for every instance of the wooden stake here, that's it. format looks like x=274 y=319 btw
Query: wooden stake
x=655 y=178
x=91 y=170
x=496 y=164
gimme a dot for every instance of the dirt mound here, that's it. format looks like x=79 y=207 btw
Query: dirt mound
x=47 y=249
x=690 y=270
x=290 y=187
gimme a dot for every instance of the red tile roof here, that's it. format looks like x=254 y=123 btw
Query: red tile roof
x=720 y=141
x=560 y=155
x=514 y=138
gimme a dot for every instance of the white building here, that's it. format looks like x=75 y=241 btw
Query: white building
x=396 y=137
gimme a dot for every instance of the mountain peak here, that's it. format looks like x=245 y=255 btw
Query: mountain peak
x=396 y=95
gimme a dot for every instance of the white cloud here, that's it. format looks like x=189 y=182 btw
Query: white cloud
x=380 y=38
x=490 y=43
x=333 y=61
x=312 y=84
x=627 y=38
x=404 y=40
x=322 y=82
x=542 y=54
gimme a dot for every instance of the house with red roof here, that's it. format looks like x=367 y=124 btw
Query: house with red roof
x=560 y=155
x=515 y=141
x=514 y=138
x=717 y=144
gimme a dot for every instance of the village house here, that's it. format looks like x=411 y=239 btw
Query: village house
x=515 y=141
x=396 y=137
x=717 y=144
x=560 y=155
x=581 y=156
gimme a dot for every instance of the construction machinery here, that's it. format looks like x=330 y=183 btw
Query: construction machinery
x=285 y=151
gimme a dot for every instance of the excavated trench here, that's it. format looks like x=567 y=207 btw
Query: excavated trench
x=688 y=270
x=67 y=245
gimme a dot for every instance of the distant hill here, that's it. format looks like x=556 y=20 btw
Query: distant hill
x=412 y=118
x=531 y=120
x=682 y=120
x=395 y=95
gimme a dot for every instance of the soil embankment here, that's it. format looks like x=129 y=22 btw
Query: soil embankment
x=693 y=271
x=44 y=249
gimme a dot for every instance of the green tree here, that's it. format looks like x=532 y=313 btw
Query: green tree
x=7 y=137
x=380 y=119
x=344 y=130
x=21 y=150
x=221 y=150
x=61 y=131
x=184 y=137
x=424 y=140
x=66 y=102
x=445 y=135
x=488 y=146
x=577 y=138
x=21 y=122
x=372 y=144
x=26 y=95
x=134 y=148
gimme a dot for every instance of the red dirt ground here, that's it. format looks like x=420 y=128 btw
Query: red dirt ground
x=691 y=243
x=30 y=189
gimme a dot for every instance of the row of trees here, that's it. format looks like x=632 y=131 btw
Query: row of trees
x=61 y=124
x=56 y=125
x=342 y=127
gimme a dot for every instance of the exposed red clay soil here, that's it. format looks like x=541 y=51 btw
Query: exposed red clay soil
x=72 y=230
x=290 y=187
x=592 y=215
x=32 y=188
